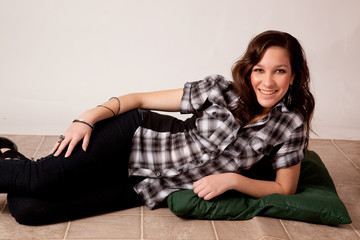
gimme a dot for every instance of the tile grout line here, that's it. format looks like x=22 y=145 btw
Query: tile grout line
x=355 y=230
x=287 y=232
x=142 y=223
x=349 y=159
x=267 y=237
x=38 y=147
x=216 y=235
x=67 y=230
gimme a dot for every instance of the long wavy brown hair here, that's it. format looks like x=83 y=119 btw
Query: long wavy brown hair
x=302 y=100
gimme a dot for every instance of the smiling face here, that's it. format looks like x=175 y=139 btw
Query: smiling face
x=271 y=77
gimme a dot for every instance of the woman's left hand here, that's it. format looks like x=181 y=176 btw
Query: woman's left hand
x=213 y=185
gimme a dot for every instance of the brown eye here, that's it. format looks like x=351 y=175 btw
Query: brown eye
x=258 y=70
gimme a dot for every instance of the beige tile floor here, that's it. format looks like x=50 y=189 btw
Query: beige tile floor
x=341 y=157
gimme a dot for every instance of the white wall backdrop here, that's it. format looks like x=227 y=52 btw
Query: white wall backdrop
x=59 y=58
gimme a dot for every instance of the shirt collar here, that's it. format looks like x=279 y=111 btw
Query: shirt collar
x=279 y=107
x=282 y=107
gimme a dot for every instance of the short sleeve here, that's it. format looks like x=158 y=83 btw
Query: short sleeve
x=213 y=89
x=293 y=149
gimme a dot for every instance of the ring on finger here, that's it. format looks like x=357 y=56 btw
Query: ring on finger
x=61 y=138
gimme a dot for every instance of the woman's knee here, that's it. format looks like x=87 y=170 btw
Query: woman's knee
x=26 y=210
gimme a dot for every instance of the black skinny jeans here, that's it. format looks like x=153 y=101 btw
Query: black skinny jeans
x=54 y=189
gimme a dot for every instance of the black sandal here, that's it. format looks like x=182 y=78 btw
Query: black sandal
x=12 y=153
x=7 y=143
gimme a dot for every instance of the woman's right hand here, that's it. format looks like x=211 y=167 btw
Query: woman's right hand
x=76 y=132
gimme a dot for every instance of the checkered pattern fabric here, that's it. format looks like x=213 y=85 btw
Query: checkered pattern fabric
x=171 y=154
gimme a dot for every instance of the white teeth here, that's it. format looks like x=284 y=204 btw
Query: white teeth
x=267 y=92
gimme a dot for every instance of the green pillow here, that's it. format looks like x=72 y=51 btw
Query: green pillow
x=316 y=200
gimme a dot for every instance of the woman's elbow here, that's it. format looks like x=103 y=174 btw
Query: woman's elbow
x=288 y=191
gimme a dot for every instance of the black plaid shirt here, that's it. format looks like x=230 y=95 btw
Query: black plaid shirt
x=171 y=154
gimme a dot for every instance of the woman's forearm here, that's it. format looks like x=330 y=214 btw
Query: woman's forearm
x=111 y=107
x=213 y=185
x=285 y=183
x=163 y=100
x=256 y=188
x=81 y=128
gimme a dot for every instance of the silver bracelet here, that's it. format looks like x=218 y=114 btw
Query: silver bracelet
x=119 y=104
x=107 y=108
x=85 y=122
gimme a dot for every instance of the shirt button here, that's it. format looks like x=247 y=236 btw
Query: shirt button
x=158 y=174
x=232 y=138
x=214 y=113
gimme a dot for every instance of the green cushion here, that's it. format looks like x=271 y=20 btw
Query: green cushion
x=316 y=200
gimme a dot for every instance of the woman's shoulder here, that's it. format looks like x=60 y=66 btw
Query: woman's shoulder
x=211 y=81
x=218 y=82
x=218 y=79
x=292 y=118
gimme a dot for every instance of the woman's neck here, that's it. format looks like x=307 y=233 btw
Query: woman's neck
x=257 y=117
